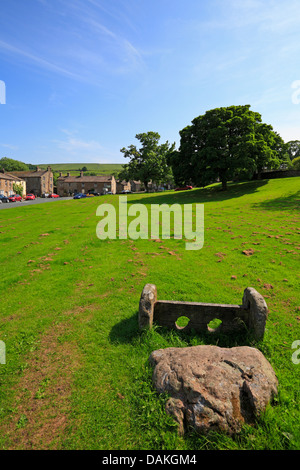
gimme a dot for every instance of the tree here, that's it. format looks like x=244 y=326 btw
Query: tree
x=226 y=142
x=149 y=162
x=180 y=160
x=296 y=163
x=18 y=189
x=269 y=150
x=293 y=149
x=9 y=164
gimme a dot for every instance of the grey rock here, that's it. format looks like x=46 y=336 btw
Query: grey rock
x=213 y=388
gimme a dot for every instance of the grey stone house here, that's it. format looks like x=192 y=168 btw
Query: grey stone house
x=68 y=185
x=38 y=182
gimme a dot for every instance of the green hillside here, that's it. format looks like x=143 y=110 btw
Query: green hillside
x=74 y=168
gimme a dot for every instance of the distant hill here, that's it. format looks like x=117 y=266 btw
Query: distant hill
x=73 y=168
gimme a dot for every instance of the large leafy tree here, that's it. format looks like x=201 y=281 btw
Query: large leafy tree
x=149 y=162
x=226 y=142
x=9 y=164
x=293 y=149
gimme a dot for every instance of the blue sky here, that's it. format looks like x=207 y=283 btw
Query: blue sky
x=83 y=77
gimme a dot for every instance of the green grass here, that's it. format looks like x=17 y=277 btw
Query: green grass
x=77 y=374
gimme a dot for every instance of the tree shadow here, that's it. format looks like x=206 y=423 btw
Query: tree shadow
x=202 y=195
x=282 y=203
x=125 y=331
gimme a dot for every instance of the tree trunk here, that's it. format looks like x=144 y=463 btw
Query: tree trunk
x=224 y=185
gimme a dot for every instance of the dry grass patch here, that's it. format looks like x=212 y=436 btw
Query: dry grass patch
x=43 y=394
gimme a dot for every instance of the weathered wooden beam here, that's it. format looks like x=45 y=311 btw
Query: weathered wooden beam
x=233 y=317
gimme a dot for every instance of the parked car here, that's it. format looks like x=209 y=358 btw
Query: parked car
x=45 y=195
x=126 y=191
x=53 y=195
x=92 y=193
x=29 y=197
x=15 y=197
x=79 y=196
x=184 y=188
x=3 y=198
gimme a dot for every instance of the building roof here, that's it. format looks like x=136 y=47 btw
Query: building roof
x=8 y=176
x=29 y=174
x=122 y=182
x=85 y=179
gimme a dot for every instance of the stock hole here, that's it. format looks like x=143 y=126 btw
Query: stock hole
x=182 y=322
x=214 y=324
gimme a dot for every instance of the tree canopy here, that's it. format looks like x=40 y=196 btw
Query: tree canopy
x=296 y=163
x=149 y=162
x=293 y=149
x=225 y=143
x=9 y=164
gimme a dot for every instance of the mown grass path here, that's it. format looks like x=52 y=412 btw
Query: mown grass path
x=77 y=374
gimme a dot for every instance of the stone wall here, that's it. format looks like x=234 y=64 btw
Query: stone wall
x=278 y=174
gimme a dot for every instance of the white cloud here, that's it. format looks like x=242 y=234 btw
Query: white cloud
x=88 y=47
x=75 y=145
x=9 y=146
x=36 y=59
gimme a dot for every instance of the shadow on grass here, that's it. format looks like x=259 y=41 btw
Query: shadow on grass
x=291 y=202
x=212 y=193
x=127 y=331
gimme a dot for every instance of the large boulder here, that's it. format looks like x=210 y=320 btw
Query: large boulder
x=213 y=388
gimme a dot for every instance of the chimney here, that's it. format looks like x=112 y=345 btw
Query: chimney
x=60 y=173
x=81 y=174
x=68 y=174
x=49 y=168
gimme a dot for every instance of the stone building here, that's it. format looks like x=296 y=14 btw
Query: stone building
x=38 y=182
x=68 y=185
x=123 y=186
x=136 y=186
x=7 y=182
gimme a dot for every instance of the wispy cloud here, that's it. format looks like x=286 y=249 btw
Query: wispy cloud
x=9 y=146
x=73 y=145
x=9 y=48
x=87 y=47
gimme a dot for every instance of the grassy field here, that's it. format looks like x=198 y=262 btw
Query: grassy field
x=74 y=168
x=77 y=374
